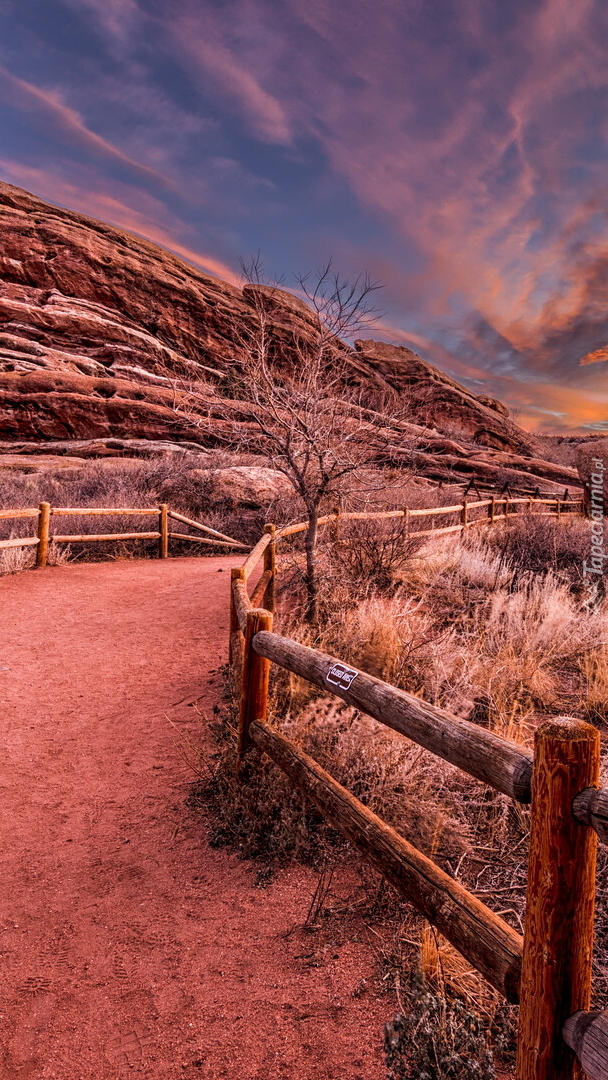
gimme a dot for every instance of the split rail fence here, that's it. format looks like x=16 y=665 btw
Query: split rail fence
x=547 y=971
x=45 y=513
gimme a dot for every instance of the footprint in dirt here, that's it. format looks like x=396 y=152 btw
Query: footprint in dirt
x=126 y=1047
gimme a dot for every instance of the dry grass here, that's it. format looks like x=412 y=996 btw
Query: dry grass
x=469 y=625
x=14 y=560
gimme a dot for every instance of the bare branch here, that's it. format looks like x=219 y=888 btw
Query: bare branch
x=291 y=391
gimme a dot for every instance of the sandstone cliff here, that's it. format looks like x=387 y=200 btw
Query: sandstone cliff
x=93 y=319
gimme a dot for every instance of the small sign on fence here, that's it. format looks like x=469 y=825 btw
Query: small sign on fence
x=341 y=676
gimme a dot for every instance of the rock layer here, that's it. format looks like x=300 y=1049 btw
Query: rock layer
x=434 y=397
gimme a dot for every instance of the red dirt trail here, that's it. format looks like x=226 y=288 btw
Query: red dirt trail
x=128 y=944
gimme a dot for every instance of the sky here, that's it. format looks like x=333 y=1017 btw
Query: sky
x=457 y=151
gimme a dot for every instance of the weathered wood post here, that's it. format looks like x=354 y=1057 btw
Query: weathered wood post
x=44 y=520
x=492 y=509
x=558 y=935
x=236 y=574
x=337 y=510
x=270 y=565
x=406 y=519
x=558 y=507
x=256 y=673
x=463 y=513
x=163 y=528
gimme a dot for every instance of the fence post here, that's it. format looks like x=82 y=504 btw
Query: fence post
x=236 y=574
x=44 y=520
x=270 y=563
x=163 y=528
x=558 y=507
x=492 y=509
x=406 y=519
x=335 y=524
x=558 y=935
x=463 y=513
x=256 y=672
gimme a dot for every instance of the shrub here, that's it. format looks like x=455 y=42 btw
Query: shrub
x=535 y=543
x=371 y=553
x=439 y=1038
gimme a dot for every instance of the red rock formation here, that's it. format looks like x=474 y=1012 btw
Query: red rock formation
x=438 y=400
x=93 y=320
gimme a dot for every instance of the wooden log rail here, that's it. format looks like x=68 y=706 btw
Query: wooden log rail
x=241 y=602
x=84 y=538
x=482 y=937
x=203 y=528
x=548 y=971
x=498 y=762
x=586 y=1033
x=44 y=515
x=492 y=503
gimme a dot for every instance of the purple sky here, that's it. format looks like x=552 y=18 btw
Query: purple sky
x=458 y=151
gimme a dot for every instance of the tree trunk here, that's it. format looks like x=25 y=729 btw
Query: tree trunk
x=311 y=565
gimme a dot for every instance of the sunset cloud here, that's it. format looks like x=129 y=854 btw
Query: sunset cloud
x=47 y=107
x=457 y=150
x=596 y=356
x=212 y=57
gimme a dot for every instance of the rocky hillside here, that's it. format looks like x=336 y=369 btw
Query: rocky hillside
x=95 y=322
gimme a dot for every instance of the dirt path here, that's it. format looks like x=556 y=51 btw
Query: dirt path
x=128 y=945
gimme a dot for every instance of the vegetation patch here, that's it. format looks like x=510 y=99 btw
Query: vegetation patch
x=467 y=625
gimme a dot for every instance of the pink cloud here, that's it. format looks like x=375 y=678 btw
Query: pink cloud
x=464 y=189
x=206 y=46
x=49 y=108
x=596 y=356
x=116 y=17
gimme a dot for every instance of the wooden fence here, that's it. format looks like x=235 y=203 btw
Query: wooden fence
x=548 y=969
x=44 y=514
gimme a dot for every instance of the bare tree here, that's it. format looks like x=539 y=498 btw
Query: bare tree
x=295 y=396
x=305 y=414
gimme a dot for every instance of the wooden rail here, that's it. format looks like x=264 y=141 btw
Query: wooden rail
x=45 y=512
x=25 y=541
x=587 y=1035
x=241 y=602
x=503 y=765
x=548 y=970
x=561 y=506
x=482 y=937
